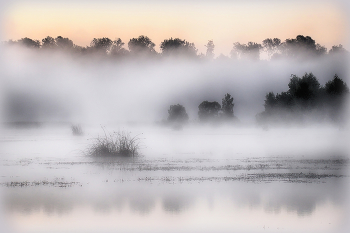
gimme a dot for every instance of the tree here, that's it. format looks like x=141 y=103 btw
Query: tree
x=305 y=88
x=176 y=47
x=305 y=98
x=210 y=49
x=177 y=114
x=271 y=46
x=320 y=50
x=336 y=87
x=27 y=42
x=117 y=49
x=337 y=49
x=208 y=111
x=270 y=102
x=337 y=94
x=48 y=43
x=64 y=43
x=141 y=45
x=246 y=51
x=222 y=57
x=101 y=45
x=301 y=47
x=284 y=101
x=227 y=106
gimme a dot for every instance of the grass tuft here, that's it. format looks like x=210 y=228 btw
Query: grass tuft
x=77 y=130
x=115 y=144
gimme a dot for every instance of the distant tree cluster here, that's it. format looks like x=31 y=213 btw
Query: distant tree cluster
x=306 y=98
x=302 y=47
x=208 y=112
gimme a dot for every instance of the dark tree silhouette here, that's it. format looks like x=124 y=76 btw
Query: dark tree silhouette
x=306 y=99
x=337 y=49
x=301 y=47
x=336 y=87
x=141 y=45
x=320 y=50
x=210 y=49
x=102 y=45
x=27 y=42
x=284 y=101
x=227 y=106
x=246 y=51
x=304 y=90
x=271 y=46
x=176 y=47
x=337 y=94
x=270 y=102
x=222 y=57
x=49 y=43
x=117 y=49
x=177 y=114
x=208 y=111
x=64 y=43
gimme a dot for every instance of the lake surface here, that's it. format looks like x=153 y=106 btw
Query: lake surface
x=193 y=180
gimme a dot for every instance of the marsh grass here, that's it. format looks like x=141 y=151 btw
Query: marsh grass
x=118 y=143
x=77 y=130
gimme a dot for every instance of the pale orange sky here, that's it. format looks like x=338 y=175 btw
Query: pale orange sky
x=225 y=22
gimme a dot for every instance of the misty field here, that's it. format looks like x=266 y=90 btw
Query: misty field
x=199 y=179
x=192 y=145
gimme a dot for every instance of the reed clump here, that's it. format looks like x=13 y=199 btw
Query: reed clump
x=77 y=130
x=118 y=143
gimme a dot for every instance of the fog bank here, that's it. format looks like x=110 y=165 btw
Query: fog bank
x=40 y=87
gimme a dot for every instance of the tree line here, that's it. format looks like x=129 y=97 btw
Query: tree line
x=208 y=112
x=301 y=47
x=305 y=100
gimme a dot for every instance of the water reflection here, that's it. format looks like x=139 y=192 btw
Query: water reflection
x=218 y=213
x=194 y=192
x=301 y=199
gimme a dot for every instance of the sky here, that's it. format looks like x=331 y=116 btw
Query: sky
x=197 y=21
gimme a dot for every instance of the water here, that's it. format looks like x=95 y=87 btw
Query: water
x=193 y=180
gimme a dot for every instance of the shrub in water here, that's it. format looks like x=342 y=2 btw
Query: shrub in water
x=116 y=144
x=77 y=130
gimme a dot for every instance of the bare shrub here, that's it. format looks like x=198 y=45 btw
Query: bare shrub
x=77 y=130
x=118 y=143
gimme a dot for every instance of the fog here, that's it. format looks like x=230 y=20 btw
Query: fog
x=181 y=181
x=192 y=179
x=55 y=87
